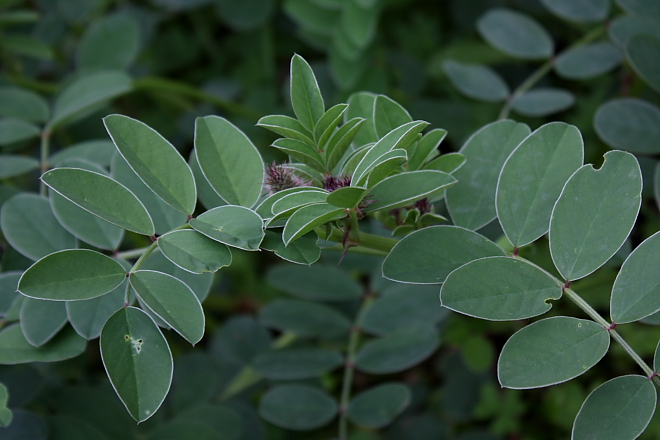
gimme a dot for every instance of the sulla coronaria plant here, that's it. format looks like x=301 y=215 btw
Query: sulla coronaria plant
x=357 y=163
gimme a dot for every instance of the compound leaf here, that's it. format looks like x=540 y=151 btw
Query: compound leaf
x=297 y=407
x=515 y=34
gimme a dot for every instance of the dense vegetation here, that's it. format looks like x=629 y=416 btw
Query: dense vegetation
x=171 y=169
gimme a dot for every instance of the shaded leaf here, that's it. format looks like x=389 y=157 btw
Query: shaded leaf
x=5 y=413
x=476 y=81
x=427 y=256
x=296 y=363
x=471 y=202
x=515 y=34
x=580 y=11
x=16 y=130
x=89 y=316
x=588 y=61
x=41 y=320
x=13 y=165
x=15 y=349
x=23 y=104
x=551 y=351
x=629 y=124
x=361 y=104
x=346 y=197
x=641 y=7
x=543 y=102
x=110 y=42
x=397 y=351
x=643 y=52
x=306 y=319
x=317 y=282
x=98 y=152
x=30 y=227
x=624 y=27
x=297 y=407
x=379 y=406
x=304 y=250
x=240 y=340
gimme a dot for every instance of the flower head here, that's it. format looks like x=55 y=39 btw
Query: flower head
x=281 y=177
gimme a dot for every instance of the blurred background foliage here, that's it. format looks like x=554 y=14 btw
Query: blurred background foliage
x=189 y=58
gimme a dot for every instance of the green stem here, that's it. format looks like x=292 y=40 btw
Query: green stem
x=367 y=241
x=544 y=69
x=171 y=86
x=45 y=152
x=133 y=253
x=586 y=307
x=144 y=256
x=349 y=370
x=357 y=250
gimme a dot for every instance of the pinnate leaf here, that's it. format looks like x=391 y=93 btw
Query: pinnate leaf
x=551 y=351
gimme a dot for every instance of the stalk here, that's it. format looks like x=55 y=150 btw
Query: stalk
x=45 y=152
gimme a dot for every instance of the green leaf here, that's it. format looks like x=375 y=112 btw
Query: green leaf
x=234 y=226
x=30 y=227
x=515 y=34
x=656 y=358
x=138 y=361
x=328 y=123
x=102 y=196
x=624 y=27
x=86 y=93
x=384 y=166
x=551 y=351
x=429 y=255
x=656 y=185
x=447 y=163
x=304 y=250
x=110 y=42
x=288 y=127
x=265 y=207
x=476 y=81
x=223 y=419
x=643 y=52
x=346 y=197
x=26 y=426
x=583 y=235
x=637 y=287
x=500 y=289
x=98 y=152
x=619 y=409
x=297 y=407
x=361 y=105
x=353 y=159
x=403 y=306
x=359 y=20
x=581 y=11
x=199 y=283
x=588 y=61
x=85 y=225
x=471 y=202
x=388 y=115
x=641 y=7
x=15 y=349
x=194 y=252
x=296 y=363
x=41 y=320
x=629 y=124
x=70 y=275
x=248 y=15
x=164 y=216
x=5 y=413
x=543 y=102
x=28 y=46
x=306 y=319
x=378 y=406
x=205 y=193
x=8 y=290
x=533 y=177
x=88 y=317
x=172 y=300
x=184 y=430
x=341 y=140
x=301 y=152
x=306 y=97
x=13 y=165
x=240 y=340
x=16 y=130
x=70 y=428
x=426 y=148
x=229 y=160
x=23 y=104
x=154 y=160
x=402 y=189
x=308 y=218
x=397 y=351
x=317 y=283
